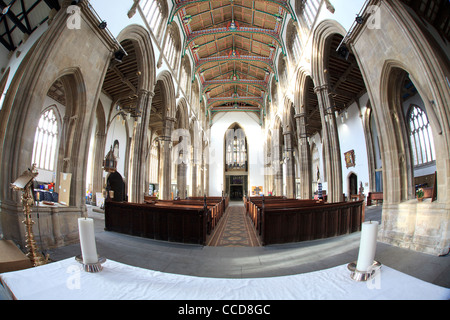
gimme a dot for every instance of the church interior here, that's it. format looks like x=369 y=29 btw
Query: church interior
x=227 y=144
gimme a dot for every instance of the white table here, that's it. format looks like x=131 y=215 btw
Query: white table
x=65 y=280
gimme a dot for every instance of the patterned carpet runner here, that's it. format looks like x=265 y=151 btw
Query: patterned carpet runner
x=234 y=230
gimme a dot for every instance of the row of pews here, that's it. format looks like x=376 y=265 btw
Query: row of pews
x=187 y=221
x=278 y=220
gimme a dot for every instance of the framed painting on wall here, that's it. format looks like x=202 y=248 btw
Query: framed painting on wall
x=350 y=159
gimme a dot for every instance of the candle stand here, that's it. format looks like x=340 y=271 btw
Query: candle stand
x=91 y=267
x=362 y=276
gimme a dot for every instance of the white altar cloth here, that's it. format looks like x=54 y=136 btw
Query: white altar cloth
x=65 y=280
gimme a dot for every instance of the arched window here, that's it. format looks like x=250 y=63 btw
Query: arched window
x=307 y=11
x=293 y=43
x=236 y=149
x=155 y=12
x=46 y=141
x=185 y=76
x=422 y=143
x=172 y=48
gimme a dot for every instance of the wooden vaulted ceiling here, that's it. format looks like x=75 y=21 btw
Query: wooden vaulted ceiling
x=346 y=83
x=18 y=19
x=234 y=44
x=122 y=79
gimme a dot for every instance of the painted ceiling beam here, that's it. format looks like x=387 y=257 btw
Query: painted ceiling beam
x=233 y=99
x=180 y=4
x=267 y=61
x=262 y=85
x=241 y=30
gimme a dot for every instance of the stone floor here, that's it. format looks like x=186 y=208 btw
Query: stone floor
x=255 y=262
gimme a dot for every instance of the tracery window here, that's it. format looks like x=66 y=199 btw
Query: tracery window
x=46 y=141
x=422 y=143
x=236 y=150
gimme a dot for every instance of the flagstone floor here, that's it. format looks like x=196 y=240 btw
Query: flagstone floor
x=235 y=229
x=255 y=262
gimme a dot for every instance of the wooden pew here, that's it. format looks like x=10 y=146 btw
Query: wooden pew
x=374 y=196
x=183 y=224
x=215 y=208
x=286 y=225
x=256 y=207
x=216 y=205
x=224 y=200
x=291 y=220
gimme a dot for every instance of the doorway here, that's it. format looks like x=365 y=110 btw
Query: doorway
x=236 y=193
x=353 y=184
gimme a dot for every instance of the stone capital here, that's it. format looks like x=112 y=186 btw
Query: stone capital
x=320 y=88
x=300 y=115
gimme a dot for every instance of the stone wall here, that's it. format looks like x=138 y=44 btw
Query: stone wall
x=79 y=58
x=396 y=45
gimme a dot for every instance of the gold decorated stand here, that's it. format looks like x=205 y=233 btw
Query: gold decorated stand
x=25 y=184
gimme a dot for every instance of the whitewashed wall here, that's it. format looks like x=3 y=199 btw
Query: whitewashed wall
x=255 y=139
x=351 y=137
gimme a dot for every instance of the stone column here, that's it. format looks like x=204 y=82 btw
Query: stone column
x=99 y=155
x=290 y=165
x=139 y=148
x=305 y=158
x=166 y=166
x=181 y=180
x=278 y=171
x=331 y=145
x=195 y=187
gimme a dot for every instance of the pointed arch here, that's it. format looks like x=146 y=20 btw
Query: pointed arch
x=145 y=55
x=321 y=35
x=166 y=82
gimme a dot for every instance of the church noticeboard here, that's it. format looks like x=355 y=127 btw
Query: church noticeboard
x=64 y=188
x=350 y=159
x=256 y=191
